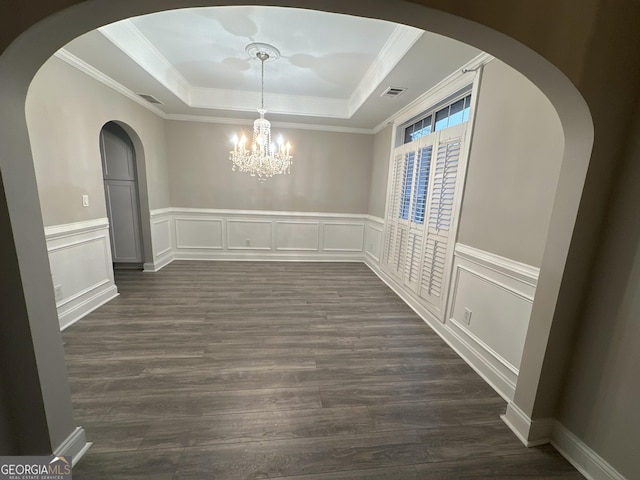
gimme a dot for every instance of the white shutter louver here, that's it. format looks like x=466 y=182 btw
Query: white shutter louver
x=441 y=204
x=392 y=233
x=412 y=262
x=420 y=189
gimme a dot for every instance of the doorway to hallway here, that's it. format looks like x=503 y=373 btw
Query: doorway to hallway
x=121 y=195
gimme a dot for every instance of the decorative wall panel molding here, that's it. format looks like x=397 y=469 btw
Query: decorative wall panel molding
x=373 y=238
x=211 y=234
x=162 y=239
x=343 y=236
x=81 y=268
x=297 y=236
x=489 y=309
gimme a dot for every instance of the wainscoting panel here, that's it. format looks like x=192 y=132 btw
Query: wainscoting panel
x=488 y=312
x=343 y=237
x=199 y=233
x=162 y=239
x=249 y=234
x=298 y=236
x=214 y=234
x=81 y=268
x=373 y=238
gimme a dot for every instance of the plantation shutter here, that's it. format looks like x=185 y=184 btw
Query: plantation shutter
x=419 y=195
x=391 y=246
x=440 y=215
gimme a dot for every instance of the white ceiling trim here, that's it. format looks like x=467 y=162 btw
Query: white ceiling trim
x=239 y=100
x=394 y=49
x=456 y=79
x=96 y=74
x=286 y=125
x=126 y=36
x=133 y=43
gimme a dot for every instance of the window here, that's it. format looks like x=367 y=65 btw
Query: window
x=454 y=113
x=421 y=205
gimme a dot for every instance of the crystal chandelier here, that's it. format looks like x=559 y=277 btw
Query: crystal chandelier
x=262 y=158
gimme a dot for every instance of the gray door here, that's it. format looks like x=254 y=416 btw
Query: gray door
x=121 y=191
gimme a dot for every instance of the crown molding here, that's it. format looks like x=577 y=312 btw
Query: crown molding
x=133 y=43
x=242 y=100
x=107 y=81
x=457 y=79
x=394 y=49
x=286 y=125
x=96 y=74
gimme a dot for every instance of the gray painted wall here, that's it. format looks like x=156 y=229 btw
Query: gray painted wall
x=65 y=111
x=380 y=171
x=330 y=173
x=513 y=169
x=600 y=400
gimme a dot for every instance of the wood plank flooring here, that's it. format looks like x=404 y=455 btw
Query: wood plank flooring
x=306 y=371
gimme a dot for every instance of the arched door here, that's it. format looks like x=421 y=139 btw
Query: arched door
x=121 y=192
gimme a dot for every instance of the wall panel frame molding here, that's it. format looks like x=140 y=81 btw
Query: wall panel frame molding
x=216 y=234
x=81 y=268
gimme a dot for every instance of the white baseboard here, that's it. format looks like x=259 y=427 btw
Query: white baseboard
x=530 y=432
x=267 y=257
x=75 y=446
x=581 y=456
x=159 y=264
x=89 y=304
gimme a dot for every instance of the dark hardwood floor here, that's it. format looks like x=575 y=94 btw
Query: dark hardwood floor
x=225 y=370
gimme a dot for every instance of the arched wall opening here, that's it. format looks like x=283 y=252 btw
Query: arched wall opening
x=22 y=222
x=143 y=188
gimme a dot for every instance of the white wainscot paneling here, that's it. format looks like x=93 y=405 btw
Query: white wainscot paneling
x=343 y=237
x=161 y=234
x=162 y=239
x=499 y=294
x=297 y=236
x=249 y=234
x=199 y=233
x=374 y=238
x=81 y=268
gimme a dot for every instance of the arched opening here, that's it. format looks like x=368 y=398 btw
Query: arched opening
x=20 y=61
x=122 y=169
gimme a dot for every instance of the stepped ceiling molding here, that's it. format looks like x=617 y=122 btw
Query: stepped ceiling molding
x=332 y=71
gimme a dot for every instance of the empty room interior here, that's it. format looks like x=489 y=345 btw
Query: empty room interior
x=289 y=243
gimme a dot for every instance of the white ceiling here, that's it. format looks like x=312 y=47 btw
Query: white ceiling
x=332 y=69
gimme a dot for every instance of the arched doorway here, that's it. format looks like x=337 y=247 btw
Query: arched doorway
x=24 y=227
x=121 y=196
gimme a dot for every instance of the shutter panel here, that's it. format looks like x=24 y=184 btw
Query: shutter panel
x=439 y=220
x=391 y=249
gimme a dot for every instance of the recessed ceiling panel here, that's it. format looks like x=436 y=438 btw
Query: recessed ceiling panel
x=322 y=54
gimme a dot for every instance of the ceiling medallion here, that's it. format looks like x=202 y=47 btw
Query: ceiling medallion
x=262 y=158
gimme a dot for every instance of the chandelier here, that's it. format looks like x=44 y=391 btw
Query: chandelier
x=262 y=158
